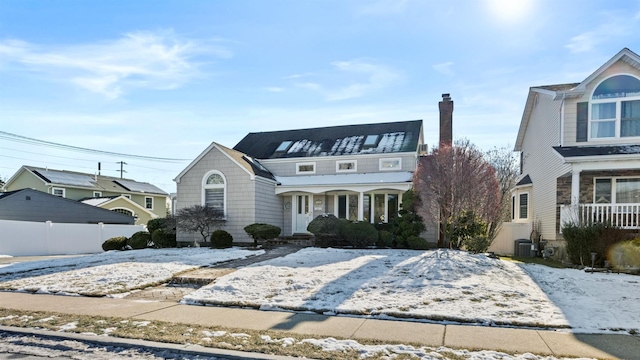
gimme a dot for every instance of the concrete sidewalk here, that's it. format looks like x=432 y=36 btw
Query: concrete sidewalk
x=510 y=340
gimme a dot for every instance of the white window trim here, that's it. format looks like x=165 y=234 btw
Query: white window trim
x=614 y=189
x=383 y=160
x=145 y=202
x=97 y=194
x=354 y=162
x=520 y=218
x=133 y=213
x=64 y=191
x=298 y=165
x=206 y=186
x=618 y=120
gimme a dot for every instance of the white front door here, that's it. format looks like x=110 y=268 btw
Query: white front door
x=303 y=213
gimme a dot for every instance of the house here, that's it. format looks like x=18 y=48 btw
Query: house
x=287 y=178
x=37 y=206
x=141 y=200
x=579 y=147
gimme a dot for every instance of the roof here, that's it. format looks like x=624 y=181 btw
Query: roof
x=526 y=180
x=95 y=182
x=390 y=137
x=557 y=87
x=581 y=151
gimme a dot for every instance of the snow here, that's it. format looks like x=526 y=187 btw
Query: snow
x=112 y=272
x=439 y=285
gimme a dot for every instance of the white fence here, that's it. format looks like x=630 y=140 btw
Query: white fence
x=626 y=216
x=25 y=238
x=504 y=242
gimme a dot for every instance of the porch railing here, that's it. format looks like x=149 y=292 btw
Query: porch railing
x=625 y=216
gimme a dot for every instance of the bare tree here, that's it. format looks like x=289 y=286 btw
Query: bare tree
x=507 y=170
x=200 y=219
x=456 y=179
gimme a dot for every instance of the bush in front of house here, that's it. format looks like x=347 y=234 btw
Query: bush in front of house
x=163 y=239
x=139 y=240
x=626 y=255
x=477 y=244
x=409 y=223
x=115 y=243
x=359 y=234
x=259 y=231
x=417 y=243
x=326 y=229
x=221 y=239
x=599 y=238
x=385 y=239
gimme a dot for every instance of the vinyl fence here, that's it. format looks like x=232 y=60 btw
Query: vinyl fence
x=25 y=238
x=504 y=243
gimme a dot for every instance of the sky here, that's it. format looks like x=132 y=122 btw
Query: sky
x=161 y=80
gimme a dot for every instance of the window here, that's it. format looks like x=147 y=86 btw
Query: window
x=617 y=191
x=306 y=168
x=523 y=210
x=148 y=203
x=97 y=194
x=615 y=108
x=123 y=211
x=513 y=207
x=214 y=189
x=283 y=146
x=346 y=166
x=58 y=192
x=370 y=141
x=390 y=164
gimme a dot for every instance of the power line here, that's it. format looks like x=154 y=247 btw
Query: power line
x=28 y=140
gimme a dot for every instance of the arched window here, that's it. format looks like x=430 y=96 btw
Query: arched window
x=615 y=108
x=214 y=190
x=123 y=211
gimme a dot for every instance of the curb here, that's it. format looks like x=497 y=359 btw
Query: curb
x=188 y=349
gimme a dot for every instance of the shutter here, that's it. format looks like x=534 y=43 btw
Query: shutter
x=582 y=122
x=215 y=198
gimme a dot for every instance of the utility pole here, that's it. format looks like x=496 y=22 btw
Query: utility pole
x=122 y=171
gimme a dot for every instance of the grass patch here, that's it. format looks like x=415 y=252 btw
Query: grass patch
x=535 y=260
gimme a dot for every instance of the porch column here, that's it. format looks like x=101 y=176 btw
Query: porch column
x=360 y=206
x=575 y=187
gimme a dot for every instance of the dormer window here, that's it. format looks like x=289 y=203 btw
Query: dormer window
x=615 y=108
x=306 y=168
x=283 y=146
x=370 y=141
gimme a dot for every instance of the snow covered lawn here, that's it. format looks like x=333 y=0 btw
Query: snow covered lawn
x=437 y=285
x=112 y=272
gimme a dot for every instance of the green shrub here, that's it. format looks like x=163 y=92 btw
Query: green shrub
x=139 y=240
x=385 y=239
x=477 y=244
x=163 y=239
x=359 y=234
x=582 y=240
x=625 y=254
x=221 y=239
x=260 y=231
x=417 y=243
x=465 y=227
x=115 y=243
x=326 y=229
x=409 y=223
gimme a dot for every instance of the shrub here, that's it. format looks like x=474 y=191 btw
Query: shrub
x=625 y=254
x=465 y=227
x=477 y=244
x=221 y=239
x=582 y=240
x=409 y=223
x=417 y=243
x=163 y=239
x=115 y=243
x=260 y=231
x=385 y=239
x=326 y=229
x=139 y=240
x=155 y=224
x=359 y=234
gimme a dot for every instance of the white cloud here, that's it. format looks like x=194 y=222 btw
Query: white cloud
x=154 y=60
x=444 y=68
x=615 y=26
x=364 y=76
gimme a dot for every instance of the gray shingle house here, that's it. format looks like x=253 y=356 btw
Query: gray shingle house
x=287 y=178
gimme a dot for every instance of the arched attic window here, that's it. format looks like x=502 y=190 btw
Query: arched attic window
x=214 y=191
x=615 y=108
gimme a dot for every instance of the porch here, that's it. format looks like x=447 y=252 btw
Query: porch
x=626 y=216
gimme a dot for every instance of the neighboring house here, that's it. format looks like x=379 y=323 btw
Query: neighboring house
x=287 y=178
x=146 y=200
x=580 y=151
x=37 y=206
x=116 y=203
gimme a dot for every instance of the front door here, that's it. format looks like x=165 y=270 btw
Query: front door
x=303 y=213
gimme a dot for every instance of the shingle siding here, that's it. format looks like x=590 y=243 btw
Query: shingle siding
x=327 y=165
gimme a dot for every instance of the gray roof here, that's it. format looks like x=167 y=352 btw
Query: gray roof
x=392 y=137
x=526 y=180
x=578 y=151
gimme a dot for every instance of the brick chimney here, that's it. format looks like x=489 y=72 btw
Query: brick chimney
x=446 y=119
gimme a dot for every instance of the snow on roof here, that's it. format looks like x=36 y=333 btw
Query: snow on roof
x=347 y=179
x=96 y=201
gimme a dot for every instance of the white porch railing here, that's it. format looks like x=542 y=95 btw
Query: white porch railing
x=626 y=216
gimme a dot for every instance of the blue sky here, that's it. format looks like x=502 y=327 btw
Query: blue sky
x=166 y=78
